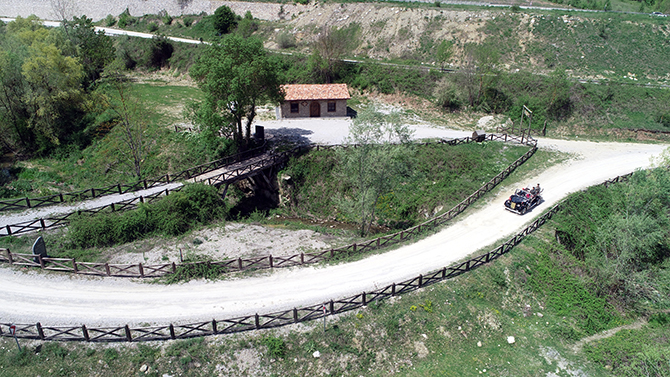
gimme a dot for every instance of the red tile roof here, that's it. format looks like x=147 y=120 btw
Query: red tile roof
x=315 y=92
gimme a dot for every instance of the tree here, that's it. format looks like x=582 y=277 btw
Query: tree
x=374 y=164
x=237 y=75
x=225 y=20
x=129 y=143
x=94 y=50
x=54 y=97
x=444 y=53
x=479 y=74
x=329 y=47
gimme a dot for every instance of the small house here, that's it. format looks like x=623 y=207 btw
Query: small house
x=320 y=100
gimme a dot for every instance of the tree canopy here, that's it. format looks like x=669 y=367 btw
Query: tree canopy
x=236 y=76
x=47 y=78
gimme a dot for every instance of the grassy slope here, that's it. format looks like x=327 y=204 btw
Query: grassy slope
x=95 y=166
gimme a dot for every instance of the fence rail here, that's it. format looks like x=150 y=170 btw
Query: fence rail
x=140 y=271
x=264 y=321
x=280 y=318
x=23 y=203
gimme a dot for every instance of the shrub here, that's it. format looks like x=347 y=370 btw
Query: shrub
x=225 y=20
x=173 y=215
x=110 y=20
x=276 y=346
x=188 y=21
x=125 y=19
x=286 y=40
x=152 y=27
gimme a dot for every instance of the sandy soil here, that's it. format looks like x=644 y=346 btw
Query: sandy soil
x=228 y=241
x=56 y=299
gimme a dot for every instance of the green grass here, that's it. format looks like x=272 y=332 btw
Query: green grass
x=99 y=166
x=442 y=177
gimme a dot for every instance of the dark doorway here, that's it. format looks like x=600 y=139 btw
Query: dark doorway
x=315 y=109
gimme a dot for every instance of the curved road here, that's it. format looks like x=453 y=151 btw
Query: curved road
x=55 y=299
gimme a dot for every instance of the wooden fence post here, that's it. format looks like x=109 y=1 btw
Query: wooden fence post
x=92 y=192
x=270 y=259
x=39 y=258
x=9 y=257
x=172 y=335
x=331 y=307
x=295 y=315
x=363 y=299
x=257 y=321
x=118 y=186
x=302 y=258
x=9 y=230
x=174 y=268
x=393 y=289
x=40 y=332
x=214 y=329
x=239 y=263
x=85 y=332
x=42 y=224
x=141 y=269
x=28 y=202
x=61 y=197
x=74 y=265
x=420 y=280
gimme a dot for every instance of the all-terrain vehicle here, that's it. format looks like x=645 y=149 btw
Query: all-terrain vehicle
x=523 y=200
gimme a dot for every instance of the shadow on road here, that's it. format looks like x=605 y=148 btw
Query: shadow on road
x=290 y=135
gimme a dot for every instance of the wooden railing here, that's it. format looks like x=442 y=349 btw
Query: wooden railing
x=23 y=203
x=226 y=177
x=263 y=321
x=234 y=265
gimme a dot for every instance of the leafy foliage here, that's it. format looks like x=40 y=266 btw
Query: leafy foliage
x=173 y=215
x=236 y=75
x=621 y=234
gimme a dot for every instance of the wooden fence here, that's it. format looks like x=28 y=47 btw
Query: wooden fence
x=226 y=177
x=23 y=203
x=263 y=321
x=276 y=319
x=140 y=270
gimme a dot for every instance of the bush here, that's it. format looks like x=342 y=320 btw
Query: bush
x=276 y=346
x=110 y=20
x=152 y=27
x=172 y=215
x=247 y=26
x=125 y=19
x=188 y=21
x=286 y=40
x=224 y=19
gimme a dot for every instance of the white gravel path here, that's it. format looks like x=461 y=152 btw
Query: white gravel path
x=64 y=300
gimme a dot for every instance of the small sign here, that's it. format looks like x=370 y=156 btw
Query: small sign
x=12 y=329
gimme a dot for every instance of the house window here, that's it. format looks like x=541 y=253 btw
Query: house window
x=295 y=107
x=331 y=107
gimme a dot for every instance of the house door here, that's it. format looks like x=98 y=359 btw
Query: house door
x=315 y=109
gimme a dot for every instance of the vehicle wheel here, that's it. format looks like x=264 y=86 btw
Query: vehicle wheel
x=523 y=210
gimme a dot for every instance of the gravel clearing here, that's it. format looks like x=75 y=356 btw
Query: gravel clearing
x=58 y=299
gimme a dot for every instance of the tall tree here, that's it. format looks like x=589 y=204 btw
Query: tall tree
x=94 y=50
x=54 y=81
x=328 y=48
x=129 y=144
x=224 y=19
x=237 y=75
x=444 y=52
x=376 y=164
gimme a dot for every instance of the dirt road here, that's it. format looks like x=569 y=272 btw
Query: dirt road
x=69 y=300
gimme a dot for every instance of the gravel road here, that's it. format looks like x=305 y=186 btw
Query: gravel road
x=70 y=300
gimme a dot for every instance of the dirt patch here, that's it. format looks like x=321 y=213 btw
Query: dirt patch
x=232 y=240
x=577 y=347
